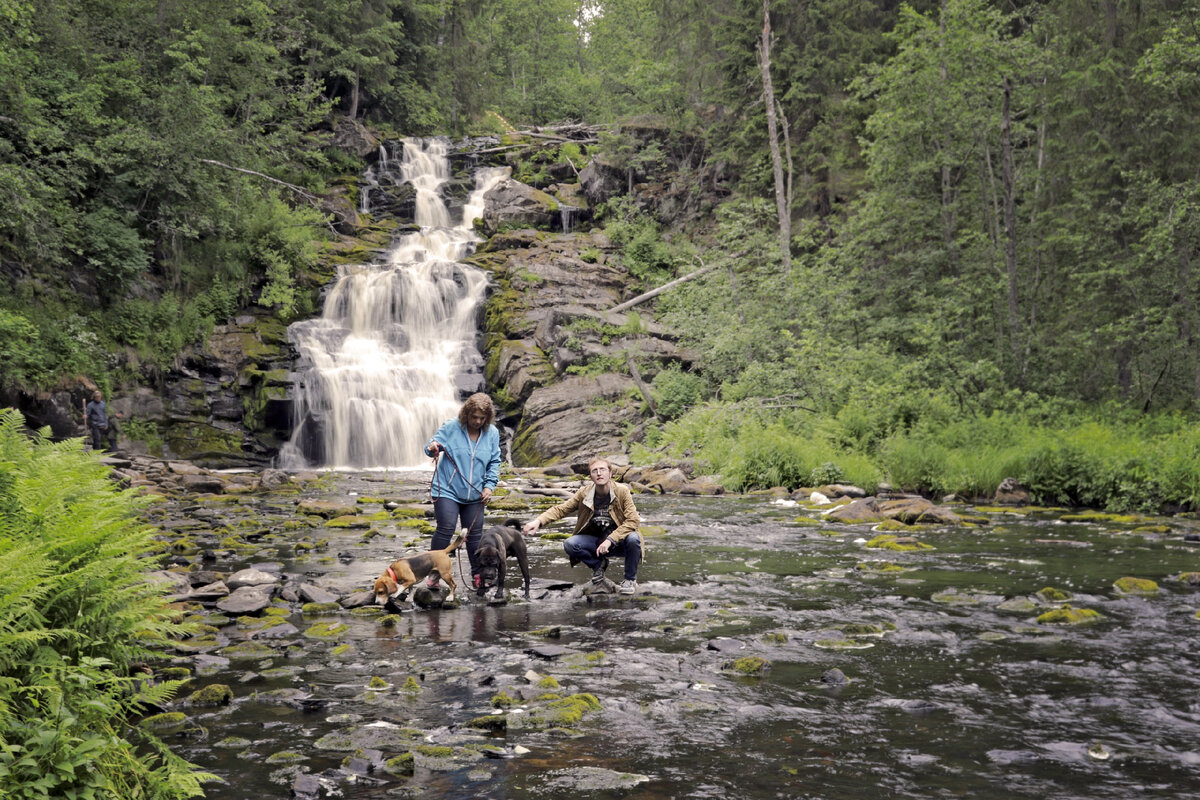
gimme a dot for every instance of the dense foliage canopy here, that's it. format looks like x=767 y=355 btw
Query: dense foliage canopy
x=992 y=205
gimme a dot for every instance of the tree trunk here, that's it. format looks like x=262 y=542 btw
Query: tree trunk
x=948 y=217
x=1008 y=178
x=353 y=112
x=781 y=203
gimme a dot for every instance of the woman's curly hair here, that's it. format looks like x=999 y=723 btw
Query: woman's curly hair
x=477 y=403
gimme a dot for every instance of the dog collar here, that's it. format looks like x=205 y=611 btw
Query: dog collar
x=392 y=575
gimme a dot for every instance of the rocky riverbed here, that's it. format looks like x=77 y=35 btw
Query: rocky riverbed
x=770 y=651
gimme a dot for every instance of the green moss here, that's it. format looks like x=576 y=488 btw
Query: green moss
x=549 y=682
x=892 y=525
x=690 y=605
x=377 y=682
x=247 y=650
x=1070 y=616
x=492 y=722
x=903 y=544
x=1098 y=516
x=748 y=665
x=366 y=611
x=341 y=650
x=775 y=638
x=503 y=700
x=286 y=757
x=410 y=685
x=327 y=630
x=317 y=609
x=807 y=522
x=389 y=620
x=434 y=751
x=878 y=566
x=213 y=695
x=400 y=765
x=1138 y=586
x=1052 y=595
x=547 y=633
x=166 y=720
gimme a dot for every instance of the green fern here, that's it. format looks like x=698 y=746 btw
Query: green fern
x=76 y=614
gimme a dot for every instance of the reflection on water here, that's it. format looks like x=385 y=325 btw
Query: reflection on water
x=959 y=694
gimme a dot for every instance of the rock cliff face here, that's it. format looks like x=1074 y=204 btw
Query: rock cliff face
x=558 y=359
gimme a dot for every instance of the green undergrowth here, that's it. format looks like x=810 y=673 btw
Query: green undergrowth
x=78 y=622
x=1100 y=461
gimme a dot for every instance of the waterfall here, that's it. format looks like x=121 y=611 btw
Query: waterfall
x=393 y=352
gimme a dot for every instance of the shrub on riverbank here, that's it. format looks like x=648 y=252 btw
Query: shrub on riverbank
x=1145 y=464
x=78 y=622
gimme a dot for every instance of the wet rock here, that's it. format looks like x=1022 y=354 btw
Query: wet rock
x=308 y=593
x=173 y=582
x=594 y=779
x=306 y=787
x=250 y=577
x=725 y=645
x=834 y=677
x=913 y=511
x=203 y=484
x=246 y=600
x=549 y=651
x=841 y=490
x=358 y=599
x=328 y=509
x=212 y=591
x=864 y=509
x=1011 y=492
x=283 y=630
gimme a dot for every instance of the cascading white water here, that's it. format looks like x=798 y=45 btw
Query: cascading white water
x=380 y=364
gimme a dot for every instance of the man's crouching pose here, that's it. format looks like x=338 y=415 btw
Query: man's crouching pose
x=606 y=525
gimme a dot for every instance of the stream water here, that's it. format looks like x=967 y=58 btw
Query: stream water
x=954 y=689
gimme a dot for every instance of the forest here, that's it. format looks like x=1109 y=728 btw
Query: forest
x=936 y=217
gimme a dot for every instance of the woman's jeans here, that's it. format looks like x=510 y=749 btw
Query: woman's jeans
x=582 y=547
x=447 y=513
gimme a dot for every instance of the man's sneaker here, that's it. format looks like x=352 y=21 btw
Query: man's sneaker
x=627 y=587
x=598 y=572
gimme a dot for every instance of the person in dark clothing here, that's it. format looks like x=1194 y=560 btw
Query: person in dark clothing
x=95 y=419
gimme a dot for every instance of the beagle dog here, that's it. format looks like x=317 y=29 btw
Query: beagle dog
x=403 y=573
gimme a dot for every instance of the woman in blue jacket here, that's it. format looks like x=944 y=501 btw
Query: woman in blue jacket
x=465 y=474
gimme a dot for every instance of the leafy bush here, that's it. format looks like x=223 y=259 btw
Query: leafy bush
x=676 y=391
x=76 y=615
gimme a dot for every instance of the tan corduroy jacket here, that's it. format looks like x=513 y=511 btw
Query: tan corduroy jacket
x=583 y=504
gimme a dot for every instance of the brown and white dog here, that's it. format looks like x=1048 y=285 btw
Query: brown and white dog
x=495 y=546
x=403 y=573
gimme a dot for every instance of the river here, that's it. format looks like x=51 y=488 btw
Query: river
x=952 y=687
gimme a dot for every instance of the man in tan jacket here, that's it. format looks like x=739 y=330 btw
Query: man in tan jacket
x=606 y=524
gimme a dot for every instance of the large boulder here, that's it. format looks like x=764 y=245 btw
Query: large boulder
x=573 y=420
x=511 y=203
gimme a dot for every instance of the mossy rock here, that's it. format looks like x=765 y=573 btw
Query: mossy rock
x=865 y=628
x=549 y=682
x=495 y=723
x=1190 y=578
x=842 y=644
x=554 y=632
x=327 y=630
x=954 y=598
x=878 y=566
x=285 y=757
x=212 y=696
x=1152 y=529
x=377 y=682
x=886 y=541
x=503 y=700
x=1143 y=587
x=410 y=685
x=1053 y=595
x=389 y=620
x=775 y=638
x=367 y=611
x=555 y=535
x=1099 y=516
x=892 y=525
x=165 y=721
x=408 y=512
x=233 y=743
x=1066 y=615
x=243 y=651
x=318 y=609
x=806 y=522
x=747 y=665
x=401 y=765
x=348 y=521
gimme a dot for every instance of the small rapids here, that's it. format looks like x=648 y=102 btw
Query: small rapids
x=951 y=687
